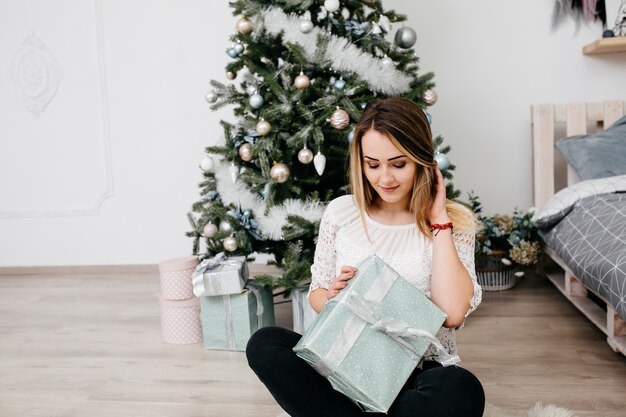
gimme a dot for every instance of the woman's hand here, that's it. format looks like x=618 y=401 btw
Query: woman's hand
x=339 y=283
x=438 y=213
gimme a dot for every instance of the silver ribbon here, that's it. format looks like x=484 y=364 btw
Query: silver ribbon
x=366 y=311
x=229 y=332
x=259 y=304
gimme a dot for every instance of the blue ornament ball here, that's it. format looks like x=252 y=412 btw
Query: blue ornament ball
x=351 y=136
x=232 y=53
x=339 y=84
x=442 y=161
x=256 y=101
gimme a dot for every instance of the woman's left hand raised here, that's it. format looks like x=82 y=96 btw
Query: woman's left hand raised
x=438 y=212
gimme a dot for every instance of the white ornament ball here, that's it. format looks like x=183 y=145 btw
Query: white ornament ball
x=386 y=61
x=442 y=161
x=231 y=75
x=302 y=81
x=211 y=97
x=345 y=13
x=430 y=96
x=244 y=26
x=320 y=163
x=339 y=119
x=279 y=172
x=256 y=101
x=225 y=226
x=331 y=5
x=263 y=127
x=405 y=37
x=306 y=26
x=207 y=164
x=230 y=244
x=245 y=152
x=209 y=230
x=239 y=48
x=305 y=155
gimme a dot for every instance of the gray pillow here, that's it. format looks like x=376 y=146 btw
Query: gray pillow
x=597 y=156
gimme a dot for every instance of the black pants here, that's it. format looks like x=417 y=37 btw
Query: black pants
x=433 y=391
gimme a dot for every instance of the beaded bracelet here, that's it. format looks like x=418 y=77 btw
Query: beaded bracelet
x=438 y=227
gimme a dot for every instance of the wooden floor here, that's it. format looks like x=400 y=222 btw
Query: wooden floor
x=88 y=344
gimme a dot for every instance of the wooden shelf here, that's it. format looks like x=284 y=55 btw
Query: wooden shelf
x=605 y=46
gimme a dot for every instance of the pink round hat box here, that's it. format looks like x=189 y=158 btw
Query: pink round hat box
x=180 y=321
x=176 y=277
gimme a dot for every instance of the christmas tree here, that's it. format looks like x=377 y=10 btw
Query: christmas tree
x=301 y=72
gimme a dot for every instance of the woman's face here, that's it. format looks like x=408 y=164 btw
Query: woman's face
x=389 y=171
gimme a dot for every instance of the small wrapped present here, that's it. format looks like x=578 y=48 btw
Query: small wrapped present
x=303 y=313
x=220 y=276
x=228 y=321
x=175 y=275
x=368 y=339
x=180 y=321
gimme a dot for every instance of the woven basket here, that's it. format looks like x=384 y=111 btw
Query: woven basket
x=492 y=274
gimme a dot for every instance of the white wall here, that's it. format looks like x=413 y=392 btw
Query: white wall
x=108 y=170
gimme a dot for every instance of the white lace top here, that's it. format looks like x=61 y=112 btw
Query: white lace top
x=342 y=241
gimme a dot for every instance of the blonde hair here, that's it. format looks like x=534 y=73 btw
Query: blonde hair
x=408 y=129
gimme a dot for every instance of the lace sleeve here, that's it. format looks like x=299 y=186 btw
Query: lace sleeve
x=464 y=242
x=324 y=262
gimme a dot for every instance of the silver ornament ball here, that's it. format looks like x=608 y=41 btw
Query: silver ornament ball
x=230 y=244
x=211 y=97
x=302 y=81
x=207 y=164
x=405 y=37
x=386 y=61
x=239 y=48
x=306 y=26
x=225 y=226
x=305 y=155
x=430 y=96
x=279 y=172
x=245 y=152
x=256 y=101
x=209 y=230
x=244 y=26
x=263 y=127
x=331 y=5
x=339 y=119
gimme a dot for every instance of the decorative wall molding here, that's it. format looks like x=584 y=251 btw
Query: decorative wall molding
x=34 y=73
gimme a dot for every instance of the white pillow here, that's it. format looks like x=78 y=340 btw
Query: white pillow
x=562 y=202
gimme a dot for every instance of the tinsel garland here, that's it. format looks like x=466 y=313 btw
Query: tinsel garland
x=270 y=225
x=344 y=55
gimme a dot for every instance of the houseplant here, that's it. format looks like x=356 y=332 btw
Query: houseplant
x=506 y=245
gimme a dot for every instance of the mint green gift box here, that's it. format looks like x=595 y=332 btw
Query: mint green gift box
x=228 y=321
x=368 y=340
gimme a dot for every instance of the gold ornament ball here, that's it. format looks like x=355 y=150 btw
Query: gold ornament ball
x=305 y=155
x=209 y=230
x=231 y=75
x=230 y=244
x=244 y=26
x=263 y=127
x=430 y=96
x=339 y=119
x=302 y=81
x=245 y=152
x=279 y=172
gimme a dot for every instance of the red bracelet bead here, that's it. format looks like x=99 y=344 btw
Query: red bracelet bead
x=438 y=227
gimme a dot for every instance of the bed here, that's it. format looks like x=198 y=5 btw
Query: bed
x=582 y=223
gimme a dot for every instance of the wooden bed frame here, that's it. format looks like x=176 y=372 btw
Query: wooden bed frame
x=549 y=123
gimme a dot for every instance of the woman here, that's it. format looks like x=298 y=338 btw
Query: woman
x=399 y=212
